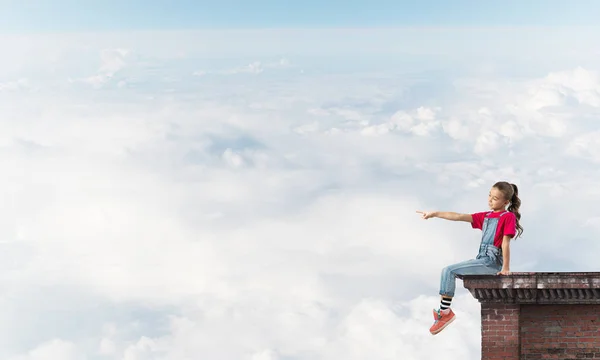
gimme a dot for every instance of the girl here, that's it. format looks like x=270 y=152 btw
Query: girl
x=499 y=226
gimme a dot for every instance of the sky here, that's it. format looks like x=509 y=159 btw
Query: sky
x=110 y=15
x=250 y=194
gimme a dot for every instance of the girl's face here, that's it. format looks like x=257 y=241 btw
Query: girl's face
x=496 y=200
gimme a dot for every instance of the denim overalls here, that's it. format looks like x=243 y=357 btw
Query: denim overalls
x=488 y=261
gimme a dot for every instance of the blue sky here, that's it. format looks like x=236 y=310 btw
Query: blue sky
x=70 y=15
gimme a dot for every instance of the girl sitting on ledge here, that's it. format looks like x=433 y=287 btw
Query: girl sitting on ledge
x=498 y=225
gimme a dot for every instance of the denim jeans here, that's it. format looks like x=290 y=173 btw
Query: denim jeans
x=488 y=261
x=488 y=264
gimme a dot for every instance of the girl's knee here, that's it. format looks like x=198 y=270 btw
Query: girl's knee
x=447 y=271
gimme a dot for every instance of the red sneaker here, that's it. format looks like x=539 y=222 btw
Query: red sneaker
x=442 y=319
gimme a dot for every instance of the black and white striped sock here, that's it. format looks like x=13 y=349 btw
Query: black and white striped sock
x=445 y=303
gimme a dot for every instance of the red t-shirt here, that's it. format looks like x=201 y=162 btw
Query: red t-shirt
x=507 y=225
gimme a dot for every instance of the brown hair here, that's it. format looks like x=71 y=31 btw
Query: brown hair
x=511 y=193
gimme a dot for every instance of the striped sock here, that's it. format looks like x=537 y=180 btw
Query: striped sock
x=445 y=303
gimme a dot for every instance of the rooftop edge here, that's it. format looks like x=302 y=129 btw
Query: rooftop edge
x=535 y=287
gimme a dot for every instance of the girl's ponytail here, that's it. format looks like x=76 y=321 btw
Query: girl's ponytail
x=515 y=204
x=511 y=192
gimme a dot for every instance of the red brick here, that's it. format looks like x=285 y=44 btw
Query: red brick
x=568 y=342
x=539 y=327
x=500 y=335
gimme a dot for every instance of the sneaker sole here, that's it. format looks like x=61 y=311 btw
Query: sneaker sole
x=444 y=326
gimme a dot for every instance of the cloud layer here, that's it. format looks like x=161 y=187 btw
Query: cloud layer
x=159 y=205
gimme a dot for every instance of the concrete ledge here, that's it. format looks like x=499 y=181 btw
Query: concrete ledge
x=535 y=288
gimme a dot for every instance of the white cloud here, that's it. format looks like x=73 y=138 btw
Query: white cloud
x=111 y=62
x=143 y=349
x=232 y=158
x=19 y=84
x=420 y=121
x=267 y=354
x=307 y=128
x=586 y=146
x=107 y=347
x=486 y=143
x=271 y=218
x=457 y=129
x=255 y=67
x=54 y=349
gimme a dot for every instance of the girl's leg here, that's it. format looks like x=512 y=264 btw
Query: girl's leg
x=468 y=267
x=445 y=315
x=445 y=302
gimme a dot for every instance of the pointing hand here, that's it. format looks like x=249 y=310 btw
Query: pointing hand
x=426 y=215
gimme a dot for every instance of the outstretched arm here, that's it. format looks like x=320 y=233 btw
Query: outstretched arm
x=447 y=215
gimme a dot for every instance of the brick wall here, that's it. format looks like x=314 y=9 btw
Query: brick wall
x=534 y=332
x=535 y=316
x=500 y=331
x=560 y=332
